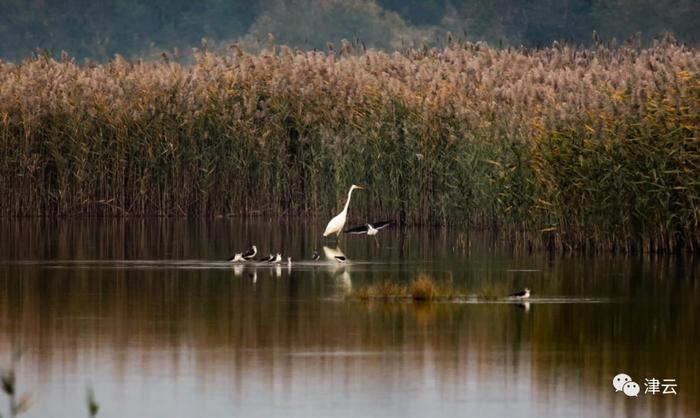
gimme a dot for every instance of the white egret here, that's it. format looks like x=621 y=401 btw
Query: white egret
x=335 y=226
x=523 y=294
x=369 y=229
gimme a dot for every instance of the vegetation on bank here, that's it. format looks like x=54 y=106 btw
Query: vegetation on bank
x=563 y=147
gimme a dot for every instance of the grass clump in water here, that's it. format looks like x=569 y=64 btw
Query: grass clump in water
x=425 y=287
x=422 y=288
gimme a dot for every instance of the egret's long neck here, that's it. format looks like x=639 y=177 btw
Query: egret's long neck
x=347 y=204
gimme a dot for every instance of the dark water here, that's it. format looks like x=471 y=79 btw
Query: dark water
x=147 y=314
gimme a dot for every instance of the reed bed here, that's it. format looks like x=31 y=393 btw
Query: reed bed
x=563 y=147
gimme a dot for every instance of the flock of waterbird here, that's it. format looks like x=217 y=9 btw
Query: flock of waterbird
x=335 y=226
x=273 y=259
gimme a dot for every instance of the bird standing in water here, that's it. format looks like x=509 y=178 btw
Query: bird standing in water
x=523 y=294
x=236 y=258
x=335 y=226
x=250 y=254
x=247 y=256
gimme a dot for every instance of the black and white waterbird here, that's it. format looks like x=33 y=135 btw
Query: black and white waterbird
x=523 y=294
x=335 y=226
x=236 y=258
x=369 y=229
x=248 y=255
x=268 y=258
x=341 y=258
x=277 y=259
x=315 y=256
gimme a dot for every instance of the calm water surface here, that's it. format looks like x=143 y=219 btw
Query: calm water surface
x=148 y=314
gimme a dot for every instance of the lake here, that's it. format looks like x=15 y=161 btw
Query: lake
x=149 y=314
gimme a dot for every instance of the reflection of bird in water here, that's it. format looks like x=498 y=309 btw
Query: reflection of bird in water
x=345 y=280
x=237 y=269
x=335 y=226
x=369 y=229
x=278 y=270
x=523 y=294
x=332 y=253
x=523 y=305
x=338 y=270
x=315 y=256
